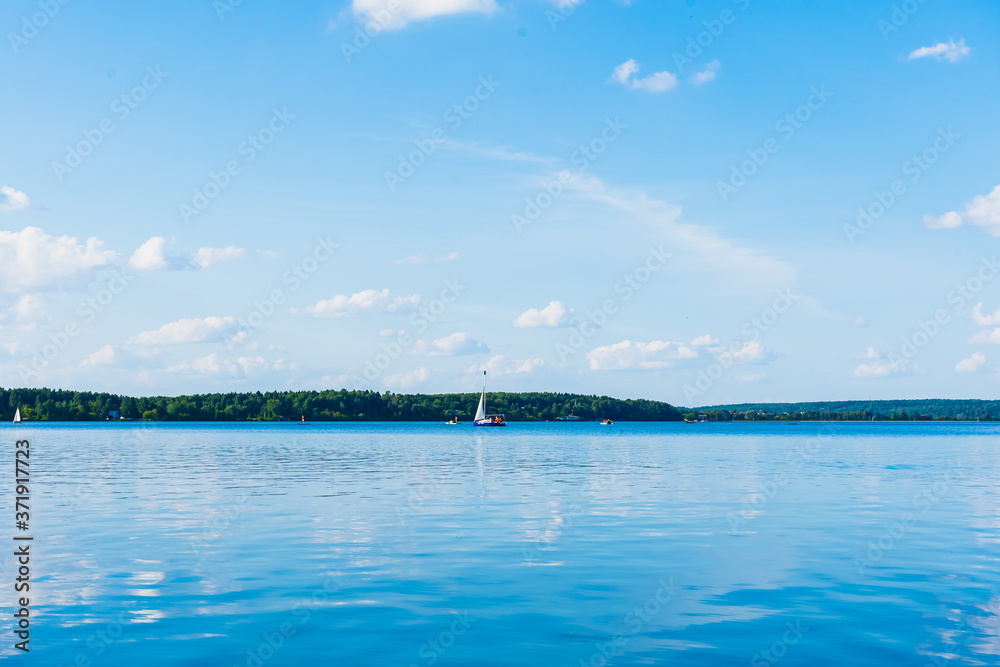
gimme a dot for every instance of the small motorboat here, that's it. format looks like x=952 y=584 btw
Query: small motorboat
x=454 y=422
x=607 y=422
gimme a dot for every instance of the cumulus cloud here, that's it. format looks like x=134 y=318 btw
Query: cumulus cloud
x=983 y=211
x=28 y=312
x=991 y=337
x=32 y=259
x=951 y=51
x=106 y=356
x=370 y=300
x=749 y=352
x=971 y=364
x=206 y=257
x=702 y=341
x=878 y=367
x=195 y=330
x=396 y=14
x=456 y=345
x=990 y=320
x=707 y=73
x=553 y=315
x=660 y=82
x=499 y=365
x=406 y=380
x=12 y=200
x=630 y=355
x=150 y=255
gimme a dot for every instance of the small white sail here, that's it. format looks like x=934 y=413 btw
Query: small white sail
x=481 y=412
x=17 y=416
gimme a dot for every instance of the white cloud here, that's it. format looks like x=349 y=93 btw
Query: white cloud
x=406 y=380
x=105 y=356
x=553 y=315
x=660 y=82
x=988 y=337
x=150 y=255
x=210 y=364
x=28 y=312
x=878 y=369
x=456 y=345
x=991 y=320
x=693 y=248
x=206 y=257
x=12 y=200
x=749 y=352
x=702 y=341
x=370 y=300
x=421 y=258
x=708 y=73
x=983 y=211
x=395 y=14
x=753 y=378
x=971 y=364
x=196 y=330
x=629 y=355
x=951 y=51
x=32 y=259
x=950 y=220
x=860 y=322
x=871 y=354
x=499 y=365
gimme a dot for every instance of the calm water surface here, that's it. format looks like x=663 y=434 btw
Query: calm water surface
x=538 y=544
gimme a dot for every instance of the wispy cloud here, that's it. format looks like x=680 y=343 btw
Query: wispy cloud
x=659 y=82
x=707 y=73
x=12 y=200
x=370 y=300
x=556 y=314
x=972 y=364
x=397 y=14
x=951 y=51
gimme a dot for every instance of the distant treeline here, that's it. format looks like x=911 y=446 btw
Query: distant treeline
x=60 y=405
x=908 y=410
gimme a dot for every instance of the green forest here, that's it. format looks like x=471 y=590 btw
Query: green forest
x=343 y=405
x=902 y=410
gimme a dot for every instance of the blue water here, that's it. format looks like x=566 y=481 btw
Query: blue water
x=538 y=544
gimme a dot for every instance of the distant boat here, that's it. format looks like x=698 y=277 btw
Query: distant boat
x=607 y=422
x=483 y=419
x=17 y=416
x=569 y=418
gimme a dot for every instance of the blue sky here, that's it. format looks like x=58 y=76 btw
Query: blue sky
x=640 y=199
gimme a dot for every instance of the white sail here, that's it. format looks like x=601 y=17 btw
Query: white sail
x=481 y=412
x=17 y=416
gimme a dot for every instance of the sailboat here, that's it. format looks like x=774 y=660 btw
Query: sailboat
x=17 y=416
x=483 y=419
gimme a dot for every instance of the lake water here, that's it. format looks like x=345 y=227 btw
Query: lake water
x=537 y=544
